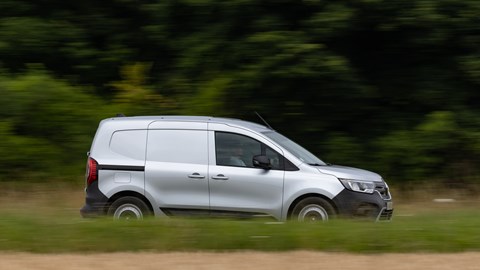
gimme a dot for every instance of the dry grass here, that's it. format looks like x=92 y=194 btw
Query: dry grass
x=48 y=199
x=417 y=199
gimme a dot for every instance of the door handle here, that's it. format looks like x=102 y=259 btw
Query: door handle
x=196 y=176
x=220 y=177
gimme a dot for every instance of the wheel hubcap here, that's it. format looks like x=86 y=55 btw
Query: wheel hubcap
x=313 y=213
x=128 y=212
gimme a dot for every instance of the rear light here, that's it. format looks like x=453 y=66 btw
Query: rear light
x=92 y=171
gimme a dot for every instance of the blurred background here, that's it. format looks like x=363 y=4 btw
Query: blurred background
x=386 y=85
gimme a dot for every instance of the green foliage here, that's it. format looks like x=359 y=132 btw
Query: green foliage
x=389 y=85
x=436 y=147
x=46 y=124
x=23 y=153
x=134 y=96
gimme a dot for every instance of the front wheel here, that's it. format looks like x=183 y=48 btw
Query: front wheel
x=128 y=208
x=313 y=209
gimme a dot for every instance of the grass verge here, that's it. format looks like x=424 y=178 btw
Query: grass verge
x=45 y=219
x=435 y=232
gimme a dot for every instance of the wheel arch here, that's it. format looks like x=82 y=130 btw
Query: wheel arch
x=128 y=193
x=309 y=195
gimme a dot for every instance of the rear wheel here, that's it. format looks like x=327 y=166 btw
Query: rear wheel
x=129 y=208
x=313 y=209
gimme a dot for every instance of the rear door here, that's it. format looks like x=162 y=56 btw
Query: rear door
x=176 y=168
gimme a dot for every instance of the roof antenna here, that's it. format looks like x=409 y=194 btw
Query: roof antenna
x=259 y=116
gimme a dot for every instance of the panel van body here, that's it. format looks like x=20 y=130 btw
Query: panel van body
x=207 y=166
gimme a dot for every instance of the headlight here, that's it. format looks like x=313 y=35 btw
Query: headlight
x=358 y=185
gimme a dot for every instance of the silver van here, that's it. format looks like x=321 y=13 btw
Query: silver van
x=208 y=166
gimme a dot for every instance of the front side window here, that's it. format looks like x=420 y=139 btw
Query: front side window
x=238 y=150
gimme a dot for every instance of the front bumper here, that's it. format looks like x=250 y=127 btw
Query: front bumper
x=354 y=204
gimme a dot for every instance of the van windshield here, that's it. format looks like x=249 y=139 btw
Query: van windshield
x=295 y=149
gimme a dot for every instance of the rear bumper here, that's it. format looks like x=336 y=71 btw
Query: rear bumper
x=96 y=203
x=355 y=204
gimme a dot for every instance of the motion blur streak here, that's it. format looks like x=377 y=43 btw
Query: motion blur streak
x=389 y=86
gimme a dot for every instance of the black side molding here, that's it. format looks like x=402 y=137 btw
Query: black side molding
x=121 y=167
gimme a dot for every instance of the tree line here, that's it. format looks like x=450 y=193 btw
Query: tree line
x=386 y=85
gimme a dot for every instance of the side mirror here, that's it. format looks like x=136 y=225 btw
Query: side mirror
x=262 y=162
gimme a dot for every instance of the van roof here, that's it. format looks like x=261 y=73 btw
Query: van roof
x=207 y=119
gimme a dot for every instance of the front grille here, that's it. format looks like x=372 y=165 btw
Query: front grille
x=385 y=215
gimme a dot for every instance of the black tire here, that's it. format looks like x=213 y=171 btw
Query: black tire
x=313 y=209
x=129 y=208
